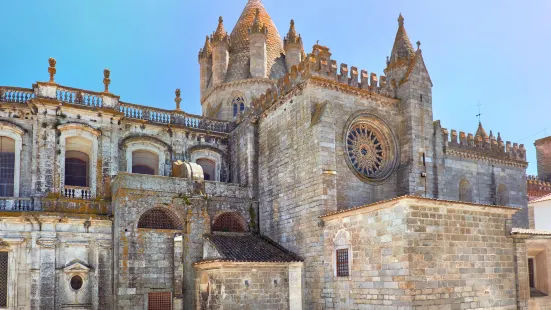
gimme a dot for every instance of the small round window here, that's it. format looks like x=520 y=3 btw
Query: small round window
x=76 y=283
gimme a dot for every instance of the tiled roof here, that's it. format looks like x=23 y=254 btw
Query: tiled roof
x=540 y=199
x=419 y=198
x=239 y=65
x=523 y=231
x=250 y=248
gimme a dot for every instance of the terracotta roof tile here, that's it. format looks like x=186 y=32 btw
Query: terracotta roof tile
x=250 y=248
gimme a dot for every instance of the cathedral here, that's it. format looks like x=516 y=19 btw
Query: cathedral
x=305 y=184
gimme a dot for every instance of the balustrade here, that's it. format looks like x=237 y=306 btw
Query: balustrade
x=77 y=96
x=77 y=192
x=15 y=94
x=16 y=204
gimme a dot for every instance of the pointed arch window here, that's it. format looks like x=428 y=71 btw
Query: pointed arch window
x=238 y=103
x=235 y=110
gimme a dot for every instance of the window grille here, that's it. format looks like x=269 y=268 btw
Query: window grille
x=3 y=279
x=159 y=301
x=76 y=171
x=158 y=218
x=342 y=263
x=143 y=170
x=7 y=169
x=7 y=166
x=229 y=222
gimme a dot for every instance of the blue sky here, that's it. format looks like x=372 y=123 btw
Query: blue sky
x=495 y=52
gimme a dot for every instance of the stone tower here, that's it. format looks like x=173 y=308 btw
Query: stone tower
x=245 y=63
x=408 y=75
x=543 y=153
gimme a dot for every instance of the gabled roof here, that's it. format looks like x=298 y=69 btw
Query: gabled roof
x=249 y=248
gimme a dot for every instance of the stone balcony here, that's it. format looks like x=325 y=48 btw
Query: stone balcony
x=109 y=102
x=146 y=183
x=47 y=204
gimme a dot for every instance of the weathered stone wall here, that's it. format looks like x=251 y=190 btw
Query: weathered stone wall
x=421 y=253
x=46 y=250
x=293 y=188
x=249 y=286
x=351 y=191
x=194 y=205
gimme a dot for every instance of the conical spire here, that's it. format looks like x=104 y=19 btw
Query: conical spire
x=292 y=37
x=220 y=34
x=402 y=48
x=206 y=51
x=480 y=132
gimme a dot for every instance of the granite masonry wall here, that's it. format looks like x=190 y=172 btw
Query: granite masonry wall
x=421 y=253
x=139 y=267
x=247 y=287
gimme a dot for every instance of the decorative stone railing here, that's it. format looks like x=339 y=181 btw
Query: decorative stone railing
x=15 y=94
x=16 y=204
x=77 y=192
x=107 y=100
x=155 y=115
x=78 y=96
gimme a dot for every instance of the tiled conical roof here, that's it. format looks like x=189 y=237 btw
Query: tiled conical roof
x=481 y=132
x=239 y=67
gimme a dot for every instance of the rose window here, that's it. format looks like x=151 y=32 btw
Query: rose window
x=370 y=148
x=365 y=150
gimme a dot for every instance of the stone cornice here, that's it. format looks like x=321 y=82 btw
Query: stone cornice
x=237 y=83
x=468 y=154
x=355 y=91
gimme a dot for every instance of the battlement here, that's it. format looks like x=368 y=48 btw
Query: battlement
x=536 y=187
x=318 y=64
x=484 y=145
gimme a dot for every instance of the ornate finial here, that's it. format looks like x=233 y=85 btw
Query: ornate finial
x=400 y=20
x=220 y=34
x=387 y=60
x=52 y=70
x=292 y=37
x=106 y=79
x=418 y=44
x=206 y=51
x=178 y=99
x=257 y=25
x=317 y=42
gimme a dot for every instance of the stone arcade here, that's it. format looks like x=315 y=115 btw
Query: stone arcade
x=305 y=184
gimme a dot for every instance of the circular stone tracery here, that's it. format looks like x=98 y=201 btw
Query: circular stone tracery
x=370 y=148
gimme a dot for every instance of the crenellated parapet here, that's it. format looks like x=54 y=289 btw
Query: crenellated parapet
x=483 y=146
x=319 y=69
x=536 y=187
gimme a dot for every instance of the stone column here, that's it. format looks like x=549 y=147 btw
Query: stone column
x=47 y=277
x=178 y=297
x=295 y=286
x=521 y=268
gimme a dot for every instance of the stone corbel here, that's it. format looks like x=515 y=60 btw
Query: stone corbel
x=48 y=243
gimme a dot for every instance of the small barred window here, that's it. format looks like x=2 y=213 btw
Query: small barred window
x=3 y=279
x=159 y=301
x=342 y=263
x=229 y=222
x=159 y=218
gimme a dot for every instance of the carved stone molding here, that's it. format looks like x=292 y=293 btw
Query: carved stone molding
x=48 y=243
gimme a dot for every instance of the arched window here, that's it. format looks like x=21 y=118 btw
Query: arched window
x=465 y=191
x=229 y=222
x=502 y=195
x=209 y=168
x=159 y=218
x=238 y=103
x=76 y=168
x=7 y=167
x=145 y=162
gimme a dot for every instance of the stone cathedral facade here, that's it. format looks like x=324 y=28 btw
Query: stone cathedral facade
x=305 y=184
